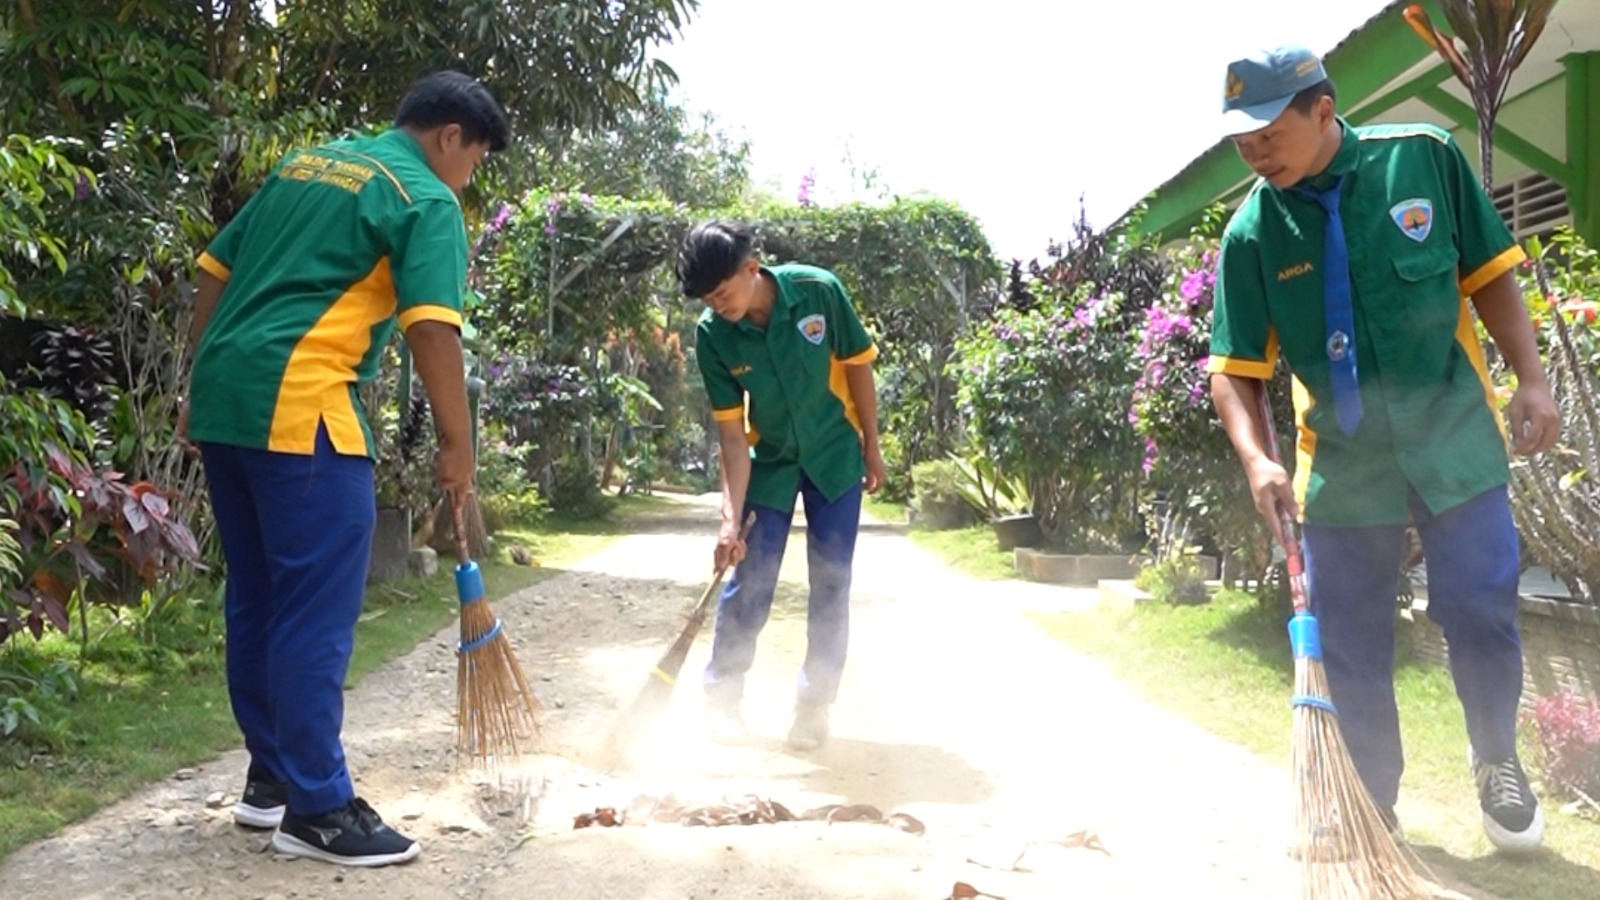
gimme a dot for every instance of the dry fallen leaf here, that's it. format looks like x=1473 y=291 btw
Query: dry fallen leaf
x=604 y=816
x=907 y=823
x=964 y=891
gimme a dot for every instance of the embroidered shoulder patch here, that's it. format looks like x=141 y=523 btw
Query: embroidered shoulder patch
x=814 y=328
x=1415 y=217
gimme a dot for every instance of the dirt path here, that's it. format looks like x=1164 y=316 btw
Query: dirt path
x=954 y=709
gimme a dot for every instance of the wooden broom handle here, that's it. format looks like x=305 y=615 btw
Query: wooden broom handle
x=1291 y=544
x=457 y=518
x=716 y=578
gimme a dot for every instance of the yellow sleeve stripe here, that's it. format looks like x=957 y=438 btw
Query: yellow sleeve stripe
x=1244 y=368
x=862 y=358
x=731 y=414
x=214 y=267
x=1492 y=269
x=1247 y=368
x=429 y=313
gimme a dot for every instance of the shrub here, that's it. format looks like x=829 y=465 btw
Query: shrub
x=574 y=491
x=1179 y=581
x=1188 y=459
x=505 y=509
x=1568 y=730
x=1046 y=395
x=897 y=487
x=936 y=495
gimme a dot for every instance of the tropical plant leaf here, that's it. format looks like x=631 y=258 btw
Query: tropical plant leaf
x=1497 y=36
x=1418 y=19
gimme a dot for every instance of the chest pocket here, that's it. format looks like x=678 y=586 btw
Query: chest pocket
x=1423 y=263
x=1429 y=283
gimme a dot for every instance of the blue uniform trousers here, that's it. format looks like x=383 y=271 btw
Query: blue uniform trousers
x=296 y=532
x=1472 y=564
x=747 y=599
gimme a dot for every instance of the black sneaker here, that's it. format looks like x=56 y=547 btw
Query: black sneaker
x=810 y=729
x=1391 y=821
x=352 y=836
x=1511 y=813
x=264 y=801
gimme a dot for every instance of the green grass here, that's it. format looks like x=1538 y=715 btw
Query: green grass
x=1226 y=666
x=149 y=705
x=971 y=550
x=893 y=513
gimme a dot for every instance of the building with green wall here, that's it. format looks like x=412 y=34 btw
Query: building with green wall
x=1547 y=141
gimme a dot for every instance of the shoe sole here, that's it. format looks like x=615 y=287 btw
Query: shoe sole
x=1516 y=843
x=289 y=845
x=257 y=817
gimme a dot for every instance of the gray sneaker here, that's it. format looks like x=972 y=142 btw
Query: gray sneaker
x=810 y=729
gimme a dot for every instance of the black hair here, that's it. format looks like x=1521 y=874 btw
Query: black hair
x=1308 y=98
x=452 y=98
x=711 y=253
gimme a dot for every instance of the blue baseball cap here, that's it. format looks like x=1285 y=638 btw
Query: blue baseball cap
x=1262 y=85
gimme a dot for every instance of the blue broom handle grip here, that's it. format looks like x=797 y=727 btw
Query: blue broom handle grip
x=469 y=583
x=1305 y=637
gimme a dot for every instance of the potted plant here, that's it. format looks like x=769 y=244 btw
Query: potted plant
x=403 y=482
x=1002 y=500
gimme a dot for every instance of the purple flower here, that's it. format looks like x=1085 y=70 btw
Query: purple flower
x=550 y=228
x=586 y=200
x=500 y=218
x=553 y=205
x=82 y=192
x=807 y=183
x=1149 y=455
x=1197 y=393
x=1193 y=285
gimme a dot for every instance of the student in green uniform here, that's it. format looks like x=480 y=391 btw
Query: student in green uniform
x=1361 y=256
x=787 y=366
x=298 y=296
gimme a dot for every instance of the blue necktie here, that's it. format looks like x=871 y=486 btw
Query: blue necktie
x=1339 y=311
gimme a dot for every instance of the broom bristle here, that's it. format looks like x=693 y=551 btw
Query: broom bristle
x=496 y=711
x=1345 y=849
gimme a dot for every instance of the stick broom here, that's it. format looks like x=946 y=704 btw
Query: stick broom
x=494 y=707
x=1344 y=848
x=656 y=694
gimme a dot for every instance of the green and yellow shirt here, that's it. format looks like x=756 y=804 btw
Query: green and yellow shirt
x=787 y=382
x=1422 y=237
x=318 y=264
